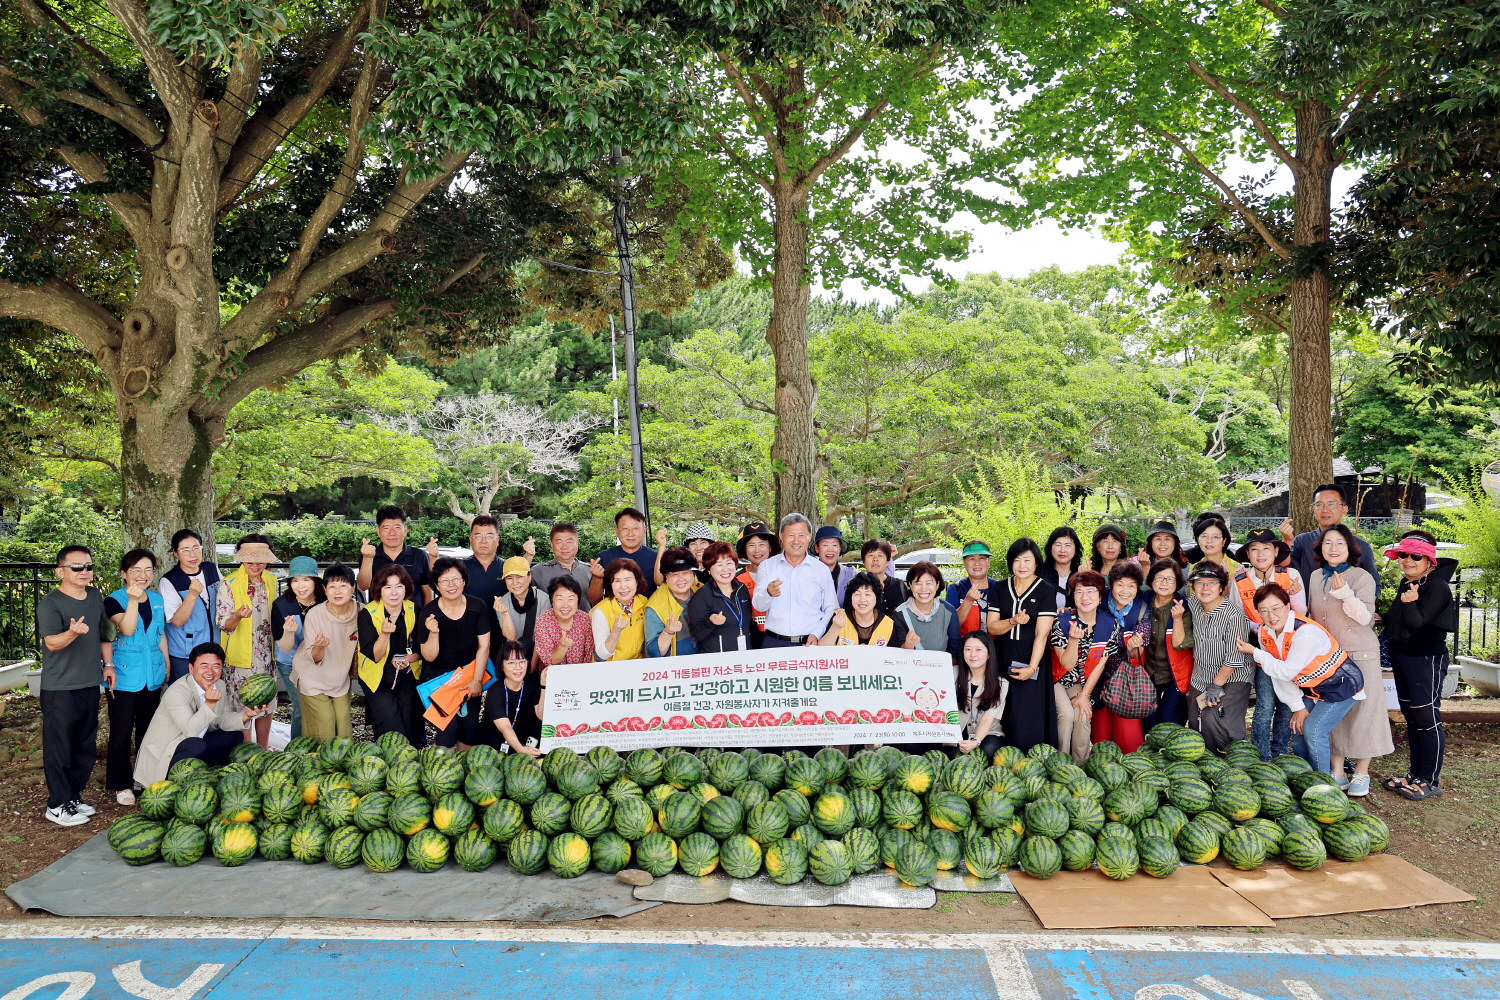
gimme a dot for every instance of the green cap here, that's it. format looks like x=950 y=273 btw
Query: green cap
x=977 y=549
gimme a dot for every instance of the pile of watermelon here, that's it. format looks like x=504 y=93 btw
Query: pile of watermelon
x=789 y=815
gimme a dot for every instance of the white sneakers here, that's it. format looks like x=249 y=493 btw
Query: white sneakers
x=83 y=808
x=125 y=797
x=66 y=814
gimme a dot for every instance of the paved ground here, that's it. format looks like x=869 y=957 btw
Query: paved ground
x=73 y=960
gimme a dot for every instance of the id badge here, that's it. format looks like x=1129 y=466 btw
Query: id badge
x=742 y=643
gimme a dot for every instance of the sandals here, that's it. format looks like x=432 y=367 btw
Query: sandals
x=1395 y=784
x=1418 y=790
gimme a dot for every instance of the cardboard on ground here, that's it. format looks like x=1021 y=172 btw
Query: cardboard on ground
x=1379 y=882
x=1191 y=897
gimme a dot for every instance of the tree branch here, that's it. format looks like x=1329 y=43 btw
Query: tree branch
x=837 y=152
x=177 y=94
x=1261 y=128
x=65 y=308
x=1255 y=222
x=752 y=106
x=240 y=92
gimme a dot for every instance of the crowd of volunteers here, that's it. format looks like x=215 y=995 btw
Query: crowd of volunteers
x=1068 y=643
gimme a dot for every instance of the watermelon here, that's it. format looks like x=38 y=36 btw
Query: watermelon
x=785 y=861
x=1236 y=801
x=1276 y=798
x=1110 y=774
x=949 y=811
x=1184 y=744
x=606 y=763
x=1292 y=765
x=1300 y=783
x=866 y=770
x=901 y=809
x=591 y=816
x=1008 y=757
x=1175 y=818
x=527 y=852
x=633 y=818
x=703 y=792
x=1046 y=819
x=302 y=745
x=829 y=862
x=1008 y=843
x=611 y=852
x=698 y=854
x=914 y=775
x=1214 y=821
x=503 y=821
x=679 y=815
x=336 y=807
x=441 y=776
x=982 y=857
x=1028 y=767
x=427 y=851
x=1325 y=804
x=382 y=850
x=275 y=841
x=473 y=851
x=1260 y=772
x=1304 y=849
x=373 y=810
x=136 y=839
x=403 y=777
x=1084 y=814
x=1347 y=841
x=549 y=814
x=864 y=850
x=891 y=841
x=798 y=811
x=281 y=804
x=751 y=793
x=1040 y=857
x=806 y=777
x=1192 y=795
x=622 y=788
x=657 y=853
x=452 y=814
x=245 y=750
x=196 y=803
x=556 y=760
x=1077 y=850
x=807 y=834
x=183 y=844
x=728 y=771
x=835 y=764
x=1374 y=827
x=484 y=786
x=409 y=814
x=915 y=863
x=388 y=743
x=708 y=754
x=1153 y=826
x=1117 y=857
x=991 y=809
x=683 y=770
x=833 y=814
x=343 y=847
x=1198 y=842
x=333 y=753
x=867 y=807
x=157 y=799
x=657 y=797
x=1181 y=770
x=644 y=767
x=575 y=780
x=185 y=768
x=722 y=816
x=1158 y=857
x=236 y=845
x=947 y=848
x=1243 y=848
x=525 y=785
x=308 y=839
x=367 y=774
x=767 y=822
x=1014 y=789
x=1053 y=792
x=770 y=770
x=1113 y=829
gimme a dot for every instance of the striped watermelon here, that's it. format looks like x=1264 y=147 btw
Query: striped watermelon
x=767 y=823
x=525 y=784
x=308 y=839
x=785 y=861
x=915 y=863
x=333 y=753
x=829 y=862
x=834 y=814
x=136 y=839
x=373 y=810
x=1045 y=818
x=797 y=809
x=1374 y=827
x=946 y=848
x=275 y=842
x=196 y=803
x=428 y=851
x=679 y=815
x=157 y=800
x=1236 y=801
x=366 y=775
x=473 y=851
x=1325 y=804
x=1347 y=841
x=185 y=768
x=409 y=814
x=722 y=816
x=770 y=770
x=633 y=818
x=403 y=777
x=683 y=770
x=1158 y=857
x=808 y=835
x=336 y=807
x=1077 y=850
x=527 y=853
x=867 y=807
x=751 y=793
x=901 y=809
x=441 y=776
x=611 y=852
x=950 y=811
x=982 y=857
x=281 y=804
x=1085 y=814
x=1008 y=843
x=656 y=853
x=915 y=775
x=183 y=844
x=342 y=850
x=577 y=779
x=1304 y=850
x=235 y=845
x=591 y=815
x=622 y=788
x=698 y=854
x=866 y=770
x=452 y=814
x=644 y=767
x=1117 y=857
x=1040 y=857
x=503 y=821
x=806 y=777
x=728 y=771
x=1191 y=795
x=382 y=850
x=1128 y=805
x=991 y=809
x=549 y=814
x=1198 y=842
x=703 y=792
x=658 y=795
x=1243 y=848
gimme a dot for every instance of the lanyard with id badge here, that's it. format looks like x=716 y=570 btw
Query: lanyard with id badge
x=739 y=619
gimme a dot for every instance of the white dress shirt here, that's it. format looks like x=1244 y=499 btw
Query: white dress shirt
x=807 y=600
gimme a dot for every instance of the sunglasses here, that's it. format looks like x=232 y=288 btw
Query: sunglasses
x=79 y=567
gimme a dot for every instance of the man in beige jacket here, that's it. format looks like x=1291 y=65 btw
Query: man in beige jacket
x=194 y=719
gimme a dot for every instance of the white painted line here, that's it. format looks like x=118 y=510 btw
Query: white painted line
x=1011 y=974
x=332 y=930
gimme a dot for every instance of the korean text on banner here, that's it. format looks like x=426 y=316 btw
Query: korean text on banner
x=799 y=696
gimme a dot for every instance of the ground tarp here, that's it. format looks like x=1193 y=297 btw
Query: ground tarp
x=93 y=882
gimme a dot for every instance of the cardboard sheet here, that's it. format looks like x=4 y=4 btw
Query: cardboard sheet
x=1379 y=882
x=1190 y=897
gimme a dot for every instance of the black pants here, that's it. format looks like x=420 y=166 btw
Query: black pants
x=213 y=747
x=130 y=713
x=398 y=710
x=1419 y=690
x=464 y=728
x=70 y=725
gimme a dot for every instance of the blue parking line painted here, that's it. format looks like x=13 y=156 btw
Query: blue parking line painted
x=1137 y=975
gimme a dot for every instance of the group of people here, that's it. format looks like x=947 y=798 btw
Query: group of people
x=1069 y=647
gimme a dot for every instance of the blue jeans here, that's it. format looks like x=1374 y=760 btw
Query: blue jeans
x=1171 y=706
x=1312 y=743
x=285 y=670
x=1271 y=725
x=177 y=668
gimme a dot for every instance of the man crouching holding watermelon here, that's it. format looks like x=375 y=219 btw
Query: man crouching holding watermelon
x=195 y=719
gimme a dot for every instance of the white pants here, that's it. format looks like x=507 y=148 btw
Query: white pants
x=1073 y=731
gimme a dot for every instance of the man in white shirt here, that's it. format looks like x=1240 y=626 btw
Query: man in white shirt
x=797 y=595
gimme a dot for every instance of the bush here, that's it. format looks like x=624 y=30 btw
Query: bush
x=1475 y=526
x=1012 y=498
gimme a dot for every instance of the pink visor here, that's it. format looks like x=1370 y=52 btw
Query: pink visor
x=1413 y=547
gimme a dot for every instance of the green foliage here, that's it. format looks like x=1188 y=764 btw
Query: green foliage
x=52 y=522
x=1012 y=497
x=1475 y=526
x=218 y=33
x=1401 y=427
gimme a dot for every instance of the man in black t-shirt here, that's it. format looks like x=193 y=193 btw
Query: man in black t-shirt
x=630 y=529
x=390 y=525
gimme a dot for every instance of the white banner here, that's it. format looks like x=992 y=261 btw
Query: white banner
x=798 y=696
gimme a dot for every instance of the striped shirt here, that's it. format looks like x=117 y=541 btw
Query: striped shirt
x=1214 y=634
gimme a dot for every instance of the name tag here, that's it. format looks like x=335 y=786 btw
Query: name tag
x=741 y=641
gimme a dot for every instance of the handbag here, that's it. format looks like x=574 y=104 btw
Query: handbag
x=1129 y=691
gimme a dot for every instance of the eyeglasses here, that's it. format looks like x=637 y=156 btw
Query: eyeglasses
x=189 y=549
x=1329 y=505
x=79 y=568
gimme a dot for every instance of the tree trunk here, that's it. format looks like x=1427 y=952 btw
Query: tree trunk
x=166 y=477
x=794 y=451
x=1310 y=416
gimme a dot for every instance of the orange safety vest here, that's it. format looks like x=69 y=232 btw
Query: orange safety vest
x=1247 y=588
x=1320 y=668
x=759 y=617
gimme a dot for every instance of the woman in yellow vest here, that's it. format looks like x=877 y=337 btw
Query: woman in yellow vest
x=619 y=620
x=860 y=622
x=389 y=666
x=244 y=613
x=666 y=628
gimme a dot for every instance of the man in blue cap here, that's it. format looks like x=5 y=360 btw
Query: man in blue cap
x=970 y=598
x=829 y=545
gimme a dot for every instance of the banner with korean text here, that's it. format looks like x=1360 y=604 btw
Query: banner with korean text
x=800 y=696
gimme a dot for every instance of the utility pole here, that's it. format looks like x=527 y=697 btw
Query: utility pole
x=614 y=373
x=627 y=315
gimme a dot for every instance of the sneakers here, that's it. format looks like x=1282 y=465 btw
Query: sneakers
x=82 y=808
x=1359 y=786
x=1342 y=780
x=66 y=815
x=125 y=797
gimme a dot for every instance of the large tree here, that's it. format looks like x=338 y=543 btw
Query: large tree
x=249 y=188
x=1135 y=113
x=803 y=103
